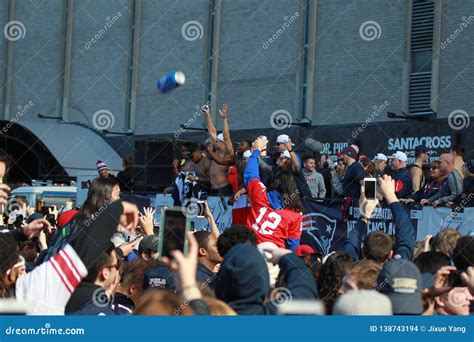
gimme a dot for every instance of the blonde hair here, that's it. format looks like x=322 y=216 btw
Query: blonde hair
x=445 y=241
x=158 y=302
x=365 y=272
x=218 y=307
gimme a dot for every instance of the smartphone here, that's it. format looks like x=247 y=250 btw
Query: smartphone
x=174 y=228
x=370 y=188
x=200 y=209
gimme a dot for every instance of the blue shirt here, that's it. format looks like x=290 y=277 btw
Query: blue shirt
x=350 y=183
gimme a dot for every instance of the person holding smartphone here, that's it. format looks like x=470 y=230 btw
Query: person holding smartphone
x=404 y=231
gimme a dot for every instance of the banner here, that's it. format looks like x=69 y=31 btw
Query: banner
x=324 y=227
x=325 y=230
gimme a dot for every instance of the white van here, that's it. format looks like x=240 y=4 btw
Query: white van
x=42 y=195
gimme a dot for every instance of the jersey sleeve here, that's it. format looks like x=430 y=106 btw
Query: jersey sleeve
x=257 y=192
x=49 y=286
x=295 y=227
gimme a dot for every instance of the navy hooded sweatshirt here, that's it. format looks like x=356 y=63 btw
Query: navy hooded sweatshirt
x=243 y=281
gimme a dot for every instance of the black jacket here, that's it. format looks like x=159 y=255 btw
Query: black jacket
x=125 y=179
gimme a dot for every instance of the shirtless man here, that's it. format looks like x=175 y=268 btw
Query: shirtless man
x=222 y=156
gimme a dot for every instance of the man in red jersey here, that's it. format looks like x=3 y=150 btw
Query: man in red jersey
x=276 y=212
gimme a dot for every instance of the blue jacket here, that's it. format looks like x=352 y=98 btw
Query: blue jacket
x=404 y=235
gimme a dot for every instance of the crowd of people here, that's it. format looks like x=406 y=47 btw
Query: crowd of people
x=103 y=258
x=216 y=167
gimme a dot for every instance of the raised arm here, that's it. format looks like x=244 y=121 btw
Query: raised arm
x=404 y=230
x=295 y=160
x=251 y=171
x=212 y=222
x=211 y=127
x=352 y=245
x=229 y=148
x=226 y=160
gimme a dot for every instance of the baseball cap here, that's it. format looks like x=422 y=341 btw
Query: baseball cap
x=363 y=303
x=149 y=244
x=158 y=277
x=350 y=151
x=355 y=147
x=65 y=217
x=380 y=156
x=421 y=149
x=220 y=137
x=285 y=154
x=301 y=250
x=283 y=139
x=399 y=155
x=247 y=154
x=400 y=280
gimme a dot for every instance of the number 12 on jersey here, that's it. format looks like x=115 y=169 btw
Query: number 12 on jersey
x=269 y=224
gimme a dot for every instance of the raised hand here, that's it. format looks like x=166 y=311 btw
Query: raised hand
x=146 y=220
x=276 y=254
x=35 y=227
x=129 y=217
x=223 y=113
x=4 y=190
x=387 y=188
x=54 y=211
x=366 y=206
x=185 y=268
x=260 y=143
x=441 y=276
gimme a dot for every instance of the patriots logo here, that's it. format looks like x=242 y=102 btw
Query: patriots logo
x=321 y=228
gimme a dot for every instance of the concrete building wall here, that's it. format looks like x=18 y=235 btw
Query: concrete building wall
x=37 y=57
x=352 y=74
x=457 y=58
x=165 y=48
x=259 y=64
